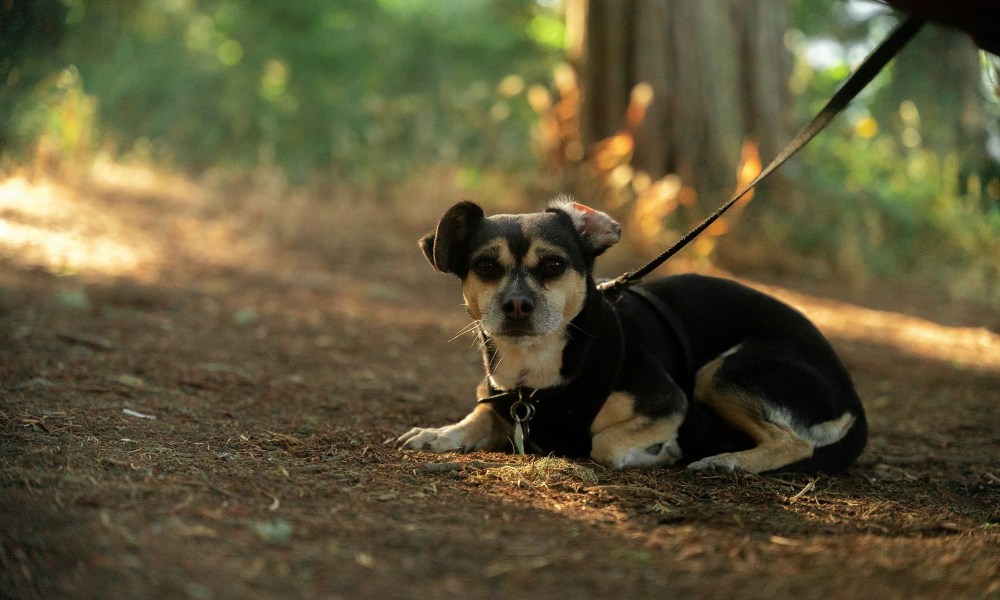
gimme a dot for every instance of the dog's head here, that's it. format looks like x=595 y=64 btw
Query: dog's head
x=522 y=275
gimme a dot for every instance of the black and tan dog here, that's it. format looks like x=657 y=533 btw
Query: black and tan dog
x=688 y=367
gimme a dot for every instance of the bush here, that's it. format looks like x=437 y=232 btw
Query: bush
x=906 y=210
x=364 y=91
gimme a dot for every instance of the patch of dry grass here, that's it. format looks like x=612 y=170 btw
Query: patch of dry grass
x=540 y=473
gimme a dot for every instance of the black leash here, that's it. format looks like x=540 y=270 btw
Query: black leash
x=867 y=71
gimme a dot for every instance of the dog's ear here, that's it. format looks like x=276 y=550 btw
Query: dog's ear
x=446 y=247
x=597 y=230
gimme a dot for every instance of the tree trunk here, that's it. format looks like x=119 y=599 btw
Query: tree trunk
x=941 y=75
x=718 y=71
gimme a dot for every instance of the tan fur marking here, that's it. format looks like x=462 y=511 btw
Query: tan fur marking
x=483 y=424
x=566 y=293
x=832 y=431
x=479 y=294
x=472 y=292
x=537 y=250
x=572 y=291
x=620 y=437
x=619 y=407
x=536 y=362
x=777 y=443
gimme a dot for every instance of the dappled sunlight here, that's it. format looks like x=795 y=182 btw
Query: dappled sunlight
x=216 y=320
x=46 y=225
x=132 y=221
x=120 y=220
x=969 y=347
x=137 y=179
x=67 y=252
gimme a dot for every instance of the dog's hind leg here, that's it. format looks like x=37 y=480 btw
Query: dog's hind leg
x=623 y=438
x=780 y=438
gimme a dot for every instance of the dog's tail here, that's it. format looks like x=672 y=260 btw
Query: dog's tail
x=838 y=456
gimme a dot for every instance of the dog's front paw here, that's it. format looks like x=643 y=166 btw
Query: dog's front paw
x=431 y=439
x=720 y=463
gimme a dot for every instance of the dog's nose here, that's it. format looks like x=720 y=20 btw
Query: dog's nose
x=518 y=307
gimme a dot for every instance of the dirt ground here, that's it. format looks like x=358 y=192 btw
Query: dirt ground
x=195 y=402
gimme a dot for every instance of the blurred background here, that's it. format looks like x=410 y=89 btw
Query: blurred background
x=654 y=111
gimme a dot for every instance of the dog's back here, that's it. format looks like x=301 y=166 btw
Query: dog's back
x=771 y=352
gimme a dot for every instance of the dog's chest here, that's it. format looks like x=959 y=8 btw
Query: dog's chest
x=534 y=363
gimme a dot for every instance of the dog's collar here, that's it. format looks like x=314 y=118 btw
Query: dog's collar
x=522 y=410
x=507 y=395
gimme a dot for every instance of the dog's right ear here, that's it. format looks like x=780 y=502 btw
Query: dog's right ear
x=447 y=246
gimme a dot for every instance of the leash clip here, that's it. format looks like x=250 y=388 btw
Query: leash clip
x=522 y=411
x=614 y=288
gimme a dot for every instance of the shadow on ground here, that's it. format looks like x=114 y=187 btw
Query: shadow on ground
x=208 y=418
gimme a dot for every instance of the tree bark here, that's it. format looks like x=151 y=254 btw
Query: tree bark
x=718 y=71
x=941 y=75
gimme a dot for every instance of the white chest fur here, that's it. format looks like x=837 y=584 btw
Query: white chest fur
x=534 y=362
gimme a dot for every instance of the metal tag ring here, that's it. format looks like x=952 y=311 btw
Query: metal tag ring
x=522 y=411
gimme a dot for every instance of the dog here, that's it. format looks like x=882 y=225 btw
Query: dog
x=685 y=369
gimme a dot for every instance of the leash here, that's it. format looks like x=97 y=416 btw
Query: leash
x=869 y=68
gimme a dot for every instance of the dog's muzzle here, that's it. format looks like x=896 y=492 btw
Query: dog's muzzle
x=518 y=305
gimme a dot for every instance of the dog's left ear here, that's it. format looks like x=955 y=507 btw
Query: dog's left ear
x=446 y=246
x=597 y=229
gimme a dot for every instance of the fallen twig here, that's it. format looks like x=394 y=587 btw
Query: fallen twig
x=91 y=341
x=808 y=488
x=450 y=467
x=137 y=414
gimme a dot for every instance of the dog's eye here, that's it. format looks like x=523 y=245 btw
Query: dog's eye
x=552 y=267
x=487 y=268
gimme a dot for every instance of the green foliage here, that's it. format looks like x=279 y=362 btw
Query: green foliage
x=30 y=31
x=896 y=207
x=376 y=91
x=901 y=184
x=360 y=90
x=911 y=200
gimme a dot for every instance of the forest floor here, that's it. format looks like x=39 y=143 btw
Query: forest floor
x=198 y=396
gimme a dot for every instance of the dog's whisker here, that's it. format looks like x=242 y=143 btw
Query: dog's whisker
x=470 y=328
x=478 y=347
x=458 y=335
x=482 y=343
x=578 y=328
